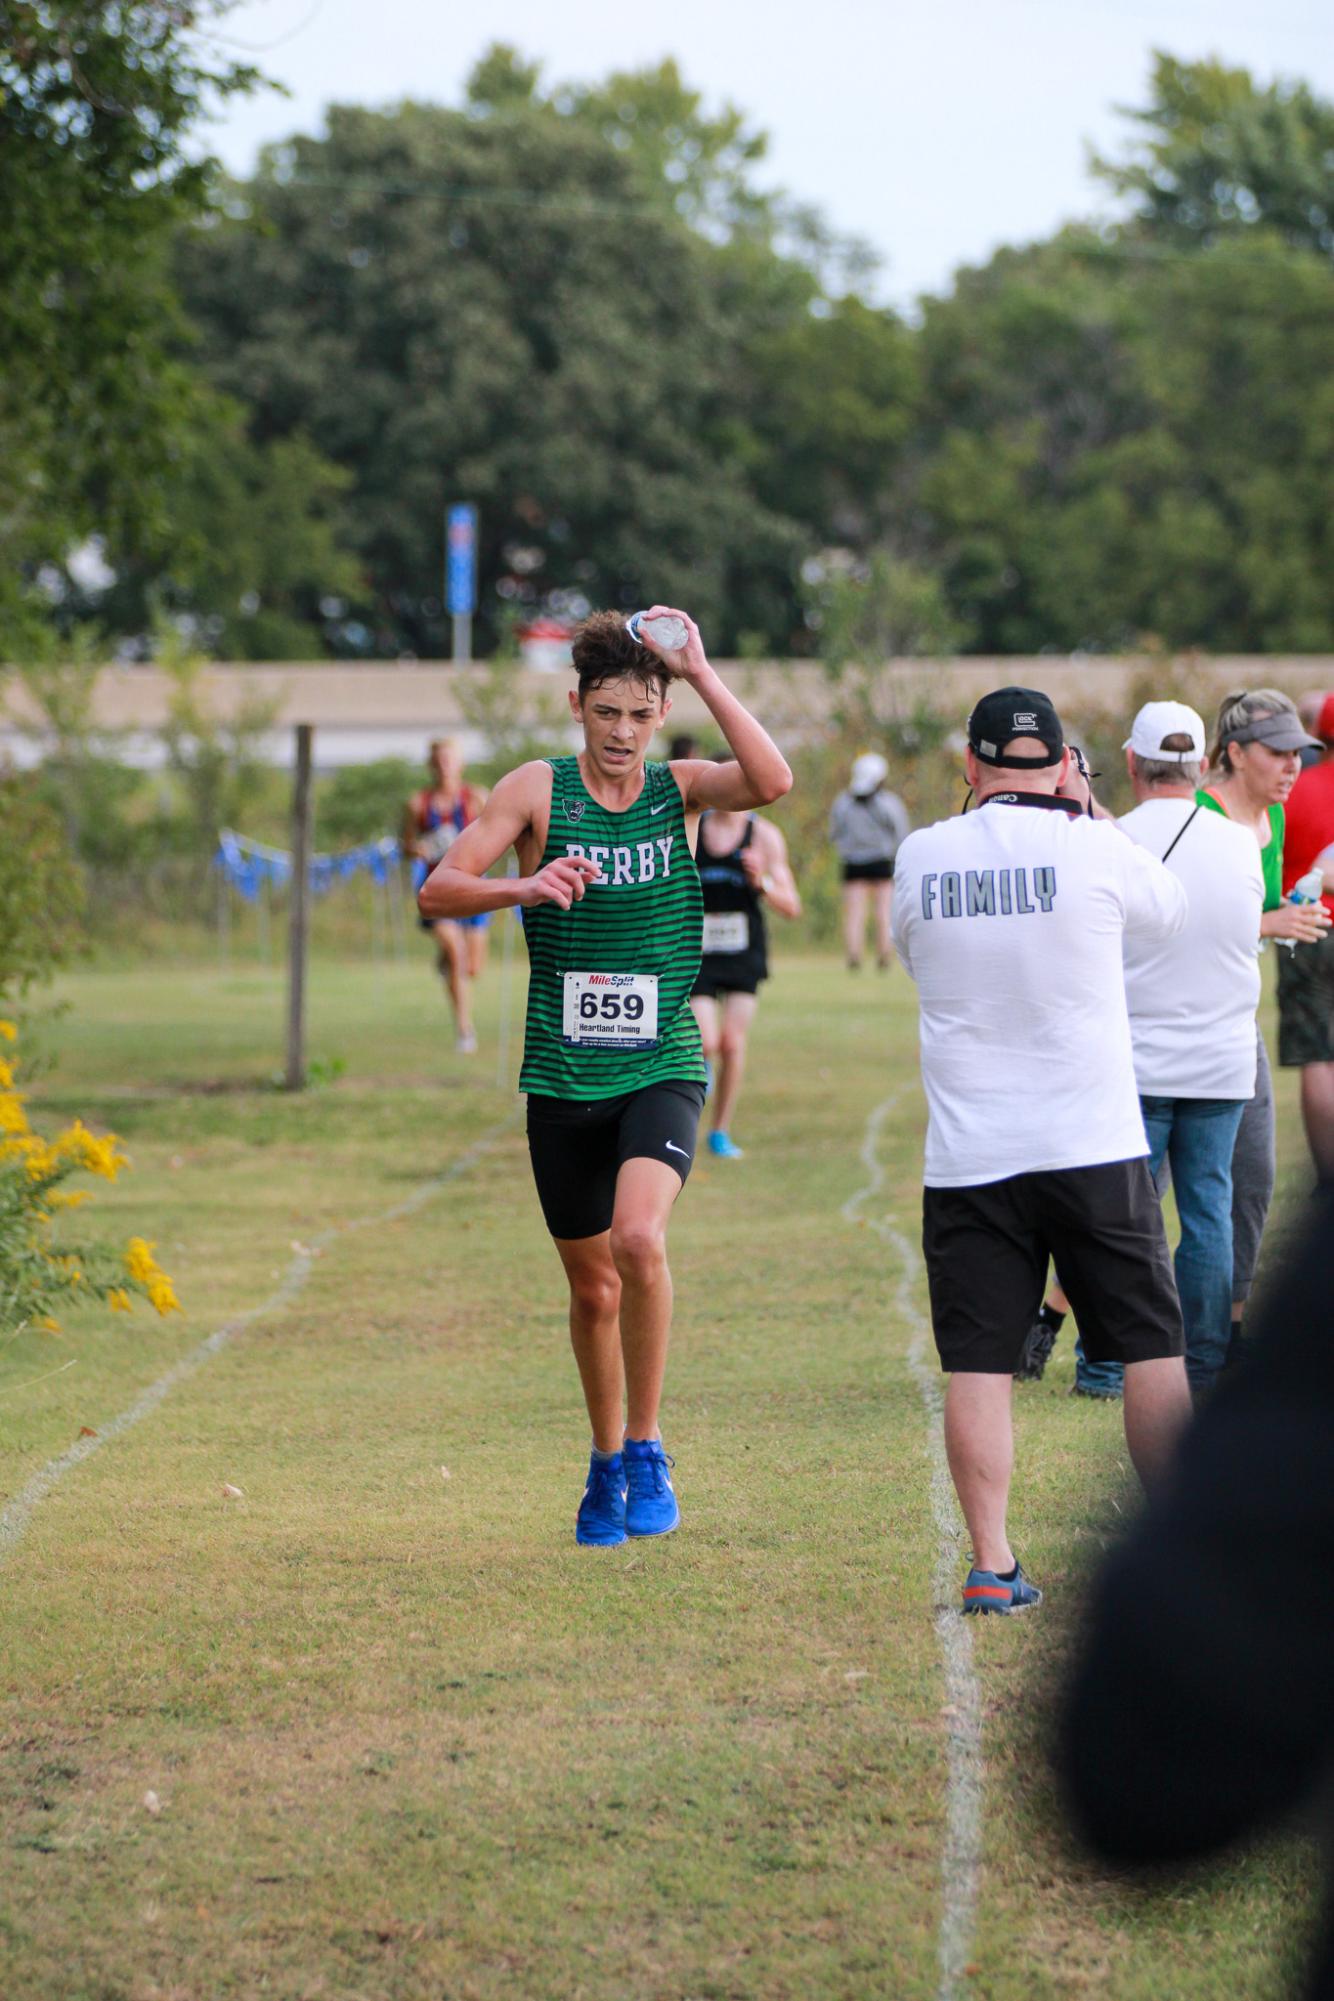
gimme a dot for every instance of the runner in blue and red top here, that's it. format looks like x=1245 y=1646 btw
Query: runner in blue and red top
x=435 y=818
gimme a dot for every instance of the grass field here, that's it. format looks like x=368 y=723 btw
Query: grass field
x=403 y=1739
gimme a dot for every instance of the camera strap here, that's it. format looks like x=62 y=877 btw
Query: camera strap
x=1180 y=831
x=1049 y=802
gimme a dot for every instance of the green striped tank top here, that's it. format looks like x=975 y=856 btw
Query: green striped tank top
x=620 y=962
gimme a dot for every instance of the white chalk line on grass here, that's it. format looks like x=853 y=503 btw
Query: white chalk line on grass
x=17 y=1513
x=961 y=1860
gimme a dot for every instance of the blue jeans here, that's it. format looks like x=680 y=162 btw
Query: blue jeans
x=1197 y=1135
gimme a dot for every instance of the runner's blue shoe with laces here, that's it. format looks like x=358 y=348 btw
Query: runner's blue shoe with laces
x=723 y=1147
x=984 y=1591
x=600 y=1521
x=650 y=1508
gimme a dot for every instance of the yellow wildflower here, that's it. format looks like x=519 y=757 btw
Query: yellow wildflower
x=8 y=1032
x=118 y=1299
x=140 y=1262
x=97 y=1156
x=67 y=1198
x=162 y=1295
x=13 y=1118
x=41 y=1159
x=48 y=1325
x=6 y=1075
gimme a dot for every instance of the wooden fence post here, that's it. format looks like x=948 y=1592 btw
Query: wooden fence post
x=298 y=936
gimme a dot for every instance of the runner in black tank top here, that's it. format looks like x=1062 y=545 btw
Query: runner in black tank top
x=734 y=950
x=612 y=1061
x=742 y=863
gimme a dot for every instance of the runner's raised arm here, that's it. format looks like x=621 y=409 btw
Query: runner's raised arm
x=760 y=773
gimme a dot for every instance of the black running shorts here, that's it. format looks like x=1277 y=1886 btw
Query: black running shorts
x=1306 y=1004
x=578 y=1149
x=717 y=986
x=987 y=1248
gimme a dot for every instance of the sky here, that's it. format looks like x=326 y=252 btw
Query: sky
x=936 y=130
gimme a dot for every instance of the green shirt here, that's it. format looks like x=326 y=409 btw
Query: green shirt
x=1271 y=854
x=645 y=917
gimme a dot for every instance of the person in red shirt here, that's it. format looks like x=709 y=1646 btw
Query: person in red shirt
x=1306 y=973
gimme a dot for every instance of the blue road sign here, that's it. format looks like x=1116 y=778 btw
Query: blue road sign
x=461 y=560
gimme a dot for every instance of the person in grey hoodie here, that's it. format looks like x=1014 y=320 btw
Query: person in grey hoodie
x=866 y=825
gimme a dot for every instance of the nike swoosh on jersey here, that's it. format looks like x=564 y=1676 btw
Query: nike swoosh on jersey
x=676 y=1149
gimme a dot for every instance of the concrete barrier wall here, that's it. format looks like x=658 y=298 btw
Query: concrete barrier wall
x=367 y=711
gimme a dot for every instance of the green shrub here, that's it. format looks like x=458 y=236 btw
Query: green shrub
x=41 y=891
x=361 y=801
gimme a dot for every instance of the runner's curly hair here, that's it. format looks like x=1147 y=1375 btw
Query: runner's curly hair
x=604 y=651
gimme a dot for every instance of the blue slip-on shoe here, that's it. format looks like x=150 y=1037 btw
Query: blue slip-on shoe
x=600 y=1521
x=650 y=1507
x=984 y=1591
x=724 y=1147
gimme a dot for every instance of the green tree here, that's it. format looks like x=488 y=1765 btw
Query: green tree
x=1221 y=156
x=547 y=303
x=867 y=614
x=553 y=358
x=1028 y=373
x=251 y=557
x=361 y=801
x=833 y=398
x=1117 y=444
x=96 y=105
x=215 y=756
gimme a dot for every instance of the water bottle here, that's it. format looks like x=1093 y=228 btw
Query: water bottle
x=1307 y=889
x=665 y=631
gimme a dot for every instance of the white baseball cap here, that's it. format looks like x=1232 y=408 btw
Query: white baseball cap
x=868 y=771
x=1156 y=722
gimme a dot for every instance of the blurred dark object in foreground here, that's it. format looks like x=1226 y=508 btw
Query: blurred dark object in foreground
x=1200 y=1707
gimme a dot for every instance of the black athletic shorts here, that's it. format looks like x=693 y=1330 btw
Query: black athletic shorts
x=868 y=871
x=987 y=1248
x=1306 y=1004
x=578 y=1149
x=715 y=986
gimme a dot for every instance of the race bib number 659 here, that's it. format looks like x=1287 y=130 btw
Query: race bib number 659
x=610 y=1010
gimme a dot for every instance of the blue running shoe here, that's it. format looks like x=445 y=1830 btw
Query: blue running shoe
x=600 y=1521
x=650 y=1508
x=724 y=1147
x=983 y=1591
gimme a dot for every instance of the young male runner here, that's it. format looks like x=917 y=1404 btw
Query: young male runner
x=612 y=1062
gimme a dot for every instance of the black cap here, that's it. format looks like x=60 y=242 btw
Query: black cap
x=1007 y=713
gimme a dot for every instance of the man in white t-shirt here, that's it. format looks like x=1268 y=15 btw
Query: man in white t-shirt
x=1011 y=921
x=1192 y=1001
